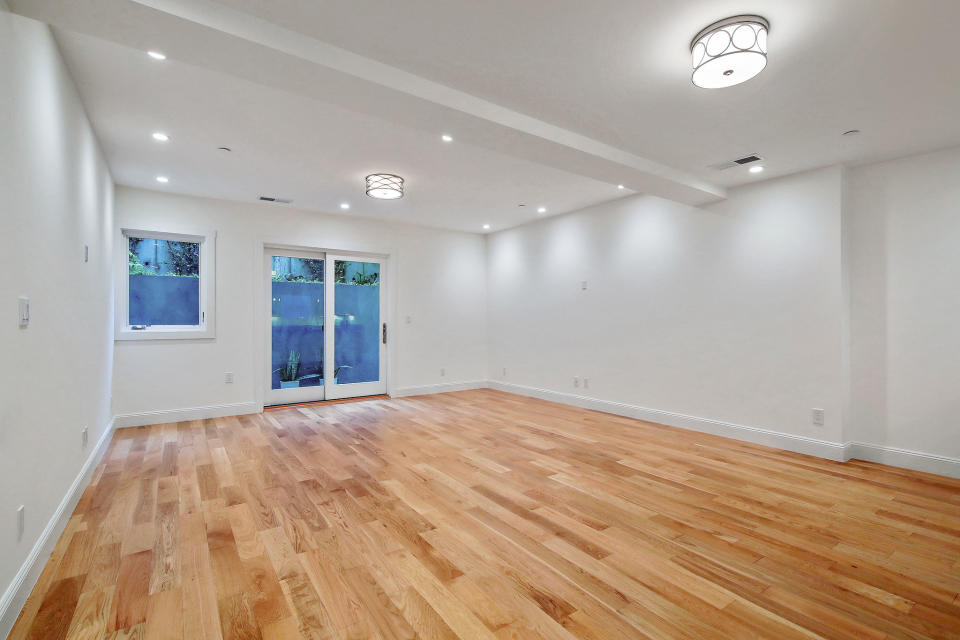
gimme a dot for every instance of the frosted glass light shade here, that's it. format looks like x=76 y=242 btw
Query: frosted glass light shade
x=729 y=52
x=384 y=186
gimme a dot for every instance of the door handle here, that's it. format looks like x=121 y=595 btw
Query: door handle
x=384 y=333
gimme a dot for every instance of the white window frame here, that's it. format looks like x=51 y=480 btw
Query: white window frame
x=206 y=328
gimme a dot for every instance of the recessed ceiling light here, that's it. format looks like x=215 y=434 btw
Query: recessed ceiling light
x=541 y=209
x=344 y=205
x=756 y=169
x=156 y=55
x=446 y=138
x=729 y=51
x=163 y=179
x=620 y=186
x=160 y=137
x=486 y=226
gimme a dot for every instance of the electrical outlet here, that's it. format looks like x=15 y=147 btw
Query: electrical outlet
x=20 y=522
x=576 y=381
x=86 y=253
x=443 y=372
x=586 y=383
x=228 y=377
x=83 y=437
x=817 y=415
x=504 y=372
x=408 y=319
x=583 y=285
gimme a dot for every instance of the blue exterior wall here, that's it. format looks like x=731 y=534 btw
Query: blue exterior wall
x=156 y=300
x=357 y=335
x=297 y=325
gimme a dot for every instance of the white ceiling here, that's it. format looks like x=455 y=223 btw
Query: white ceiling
x=285 y=145
x=550 y=102
x=618 y=71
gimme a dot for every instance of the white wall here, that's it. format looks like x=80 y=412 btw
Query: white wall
x=55 y=196
x=730 y=312
x=438 y=279
x=904 y=223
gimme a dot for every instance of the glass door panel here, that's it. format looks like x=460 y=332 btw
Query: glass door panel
x=296 y=328
x=358 y=366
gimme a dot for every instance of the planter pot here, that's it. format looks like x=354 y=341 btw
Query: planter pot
x=289 y=385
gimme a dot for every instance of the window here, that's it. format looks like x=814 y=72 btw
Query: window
x=165 y=285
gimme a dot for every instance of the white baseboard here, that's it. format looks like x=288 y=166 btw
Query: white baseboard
x=756 y=435
x=13 y=599
x=164 y=416
x=443 y=387
x=916 y=460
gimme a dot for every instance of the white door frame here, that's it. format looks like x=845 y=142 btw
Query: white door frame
x=262 y=303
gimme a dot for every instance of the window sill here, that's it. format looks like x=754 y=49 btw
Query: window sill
x=169 y=333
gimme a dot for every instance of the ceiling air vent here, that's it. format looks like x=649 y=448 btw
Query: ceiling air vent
x=275 y=199
x=720 y=166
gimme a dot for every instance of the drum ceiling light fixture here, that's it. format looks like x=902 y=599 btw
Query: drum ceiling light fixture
x=729 y=51
x=384 y=186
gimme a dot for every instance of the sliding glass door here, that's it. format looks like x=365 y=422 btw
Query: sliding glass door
x=357 y=340
x=327 y=330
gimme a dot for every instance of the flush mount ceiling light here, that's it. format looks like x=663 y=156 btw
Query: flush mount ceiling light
x=384 y=186
x=160 y=137
x=446 y=138
x=156 y=55
x=344 y=205
x=729 y=51
x=756 y=169
x=163 y=179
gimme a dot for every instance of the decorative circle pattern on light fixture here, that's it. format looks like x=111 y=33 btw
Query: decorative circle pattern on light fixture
x=384 y=186
x=729 y=51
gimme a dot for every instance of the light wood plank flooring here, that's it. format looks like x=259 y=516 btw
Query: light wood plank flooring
x=483 y=515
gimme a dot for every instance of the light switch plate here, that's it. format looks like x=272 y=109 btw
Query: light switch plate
x=24 y=311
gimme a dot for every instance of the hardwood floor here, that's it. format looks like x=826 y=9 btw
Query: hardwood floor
x=486 y=515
